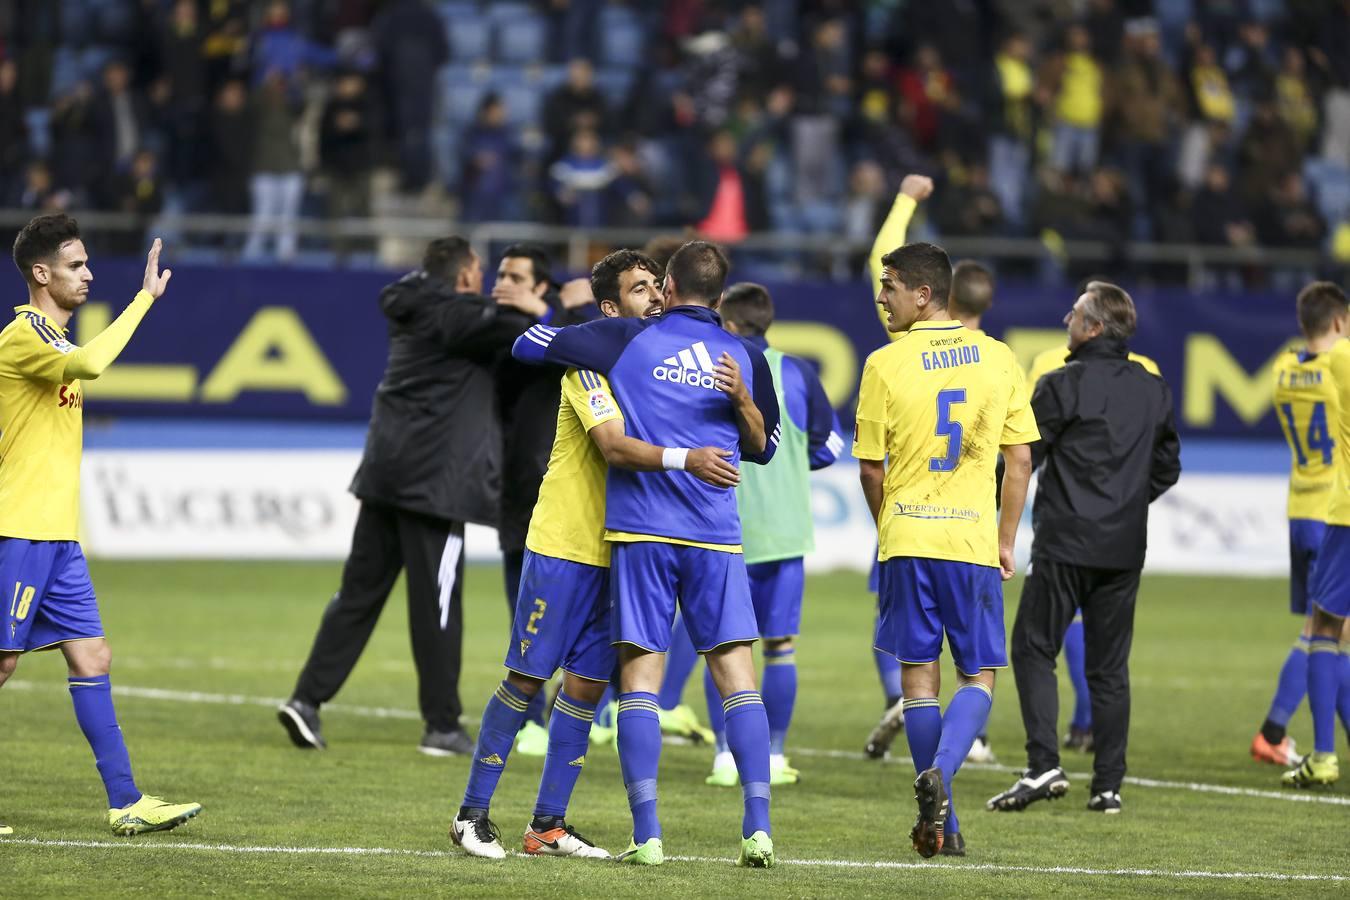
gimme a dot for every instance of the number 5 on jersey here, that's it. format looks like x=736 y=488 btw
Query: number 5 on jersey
x=950 y=429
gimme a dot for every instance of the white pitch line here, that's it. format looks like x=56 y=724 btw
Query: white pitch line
x=384 y=712
x=1197 y=787
x=144 y=693
x=149 y=846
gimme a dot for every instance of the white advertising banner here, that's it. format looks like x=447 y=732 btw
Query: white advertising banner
x=227 y=504
x=293 y=504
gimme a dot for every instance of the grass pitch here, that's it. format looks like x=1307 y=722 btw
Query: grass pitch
x=203 y=651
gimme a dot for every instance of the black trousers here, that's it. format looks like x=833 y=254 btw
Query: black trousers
x=1053 y=593
x=386 y=541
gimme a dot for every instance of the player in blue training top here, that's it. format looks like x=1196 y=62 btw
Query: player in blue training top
x=778 y=532
x=674 y=536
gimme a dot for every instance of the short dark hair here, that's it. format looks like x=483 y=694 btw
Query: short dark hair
x=972 y=289
x=1111 y=307
x=922 y=264
x=749 y=307
x=1319 y=304
x=663 y=247
x=540 y=264
x=605 y=274
x=700 y=271
x=446 y=257
x=41 y=239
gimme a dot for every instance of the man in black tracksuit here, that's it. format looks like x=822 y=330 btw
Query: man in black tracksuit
x=527 y=398
x=432 y=462
x=1108 y=449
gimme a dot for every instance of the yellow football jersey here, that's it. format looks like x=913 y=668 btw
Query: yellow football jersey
x=1308 y=409
x=41 y=431
x=569 y=518
x=1338 y=510
x=1054 y=358
x=938 y=403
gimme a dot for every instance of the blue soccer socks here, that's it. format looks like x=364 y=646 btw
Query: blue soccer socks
x=747 y=727
x=1324 y=679
x=966 y=716
x=780 y=695
x=569 y=734
x=640 y=759
x=98 y=720
x=923 y=729
x=1289 y=692
x=503 y=717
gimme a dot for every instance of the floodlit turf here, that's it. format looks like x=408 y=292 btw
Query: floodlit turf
x=201 y=648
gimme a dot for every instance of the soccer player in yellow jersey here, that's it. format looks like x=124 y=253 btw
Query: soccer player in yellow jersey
x=935 y=410
x=562 y=617
x=48 y=598
x=1328 y=587
x=1306 y=406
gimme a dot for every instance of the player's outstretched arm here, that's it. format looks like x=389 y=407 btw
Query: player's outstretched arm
x=91 y=360
x=1016 y=478
x=707 y=464
x=914 y=189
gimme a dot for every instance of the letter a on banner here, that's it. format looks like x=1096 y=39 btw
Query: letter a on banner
x=275 y=353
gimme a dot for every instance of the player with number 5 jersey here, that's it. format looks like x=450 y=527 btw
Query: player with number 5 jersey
x=935 y=409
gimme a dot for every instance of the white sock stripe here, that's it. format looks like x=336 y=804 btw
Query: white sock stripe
x=445 y=576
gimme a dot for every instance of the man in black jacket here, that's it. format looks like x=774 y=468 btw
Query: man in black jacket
x=1108 y=449
x=527 y=398
x=432 y=462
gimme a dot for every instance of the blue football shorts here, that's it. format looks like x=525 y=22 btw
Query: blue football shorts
x=1305 y=540
x=776 y=589
x=1328 y=587
x=923 y=598
x=46 y=594
x=712 y=587
x=562 y=620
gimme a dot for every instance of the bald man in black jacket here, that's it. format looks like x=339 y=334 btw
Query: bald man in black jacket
x=1108 y=449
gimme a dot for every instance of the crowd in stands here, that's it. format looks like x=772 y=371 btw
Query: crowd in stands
x=1175 y=121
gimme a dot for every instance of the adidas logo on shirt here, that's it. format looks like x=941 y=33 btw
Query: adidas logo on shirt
x=691 y=366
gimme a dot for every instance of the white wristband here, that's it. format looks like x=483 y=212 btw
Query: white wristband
x=674 y=457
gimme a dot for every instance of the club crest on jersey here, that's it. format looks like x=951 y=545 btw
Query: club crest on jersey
x=692 y=366
x=524 y=646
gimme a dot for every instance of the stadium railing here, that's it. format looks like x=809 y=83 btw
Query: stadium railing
x=398 y=241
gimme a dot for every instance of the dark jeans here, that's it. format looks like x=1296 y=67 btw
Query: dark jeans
x=385 y=542
x=1053 y=592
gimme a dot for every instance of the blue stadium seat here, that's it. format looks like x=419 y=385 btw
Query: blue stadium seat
x=614 y=84
x=524 y=102
x=622 y=39
x=462 y=89
x=66 y=70
x=499 y=11
x=521 y=40
x=446 y=151
x=470 y=39
x=458 y=9
x=551 y=77
x=1329 y=185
